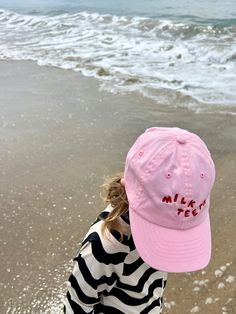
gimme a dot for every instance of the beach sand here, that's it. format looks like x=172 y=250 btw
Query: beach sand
x=60 y=136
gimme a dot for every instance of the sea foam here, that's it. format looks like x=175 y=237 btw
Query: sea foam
x=174 y=63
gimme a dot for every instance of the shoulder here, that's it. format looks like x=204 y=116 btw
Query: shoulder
x=106 y=248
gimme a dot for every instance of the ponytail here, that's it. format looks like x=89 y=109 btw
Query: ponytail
x=114 y=193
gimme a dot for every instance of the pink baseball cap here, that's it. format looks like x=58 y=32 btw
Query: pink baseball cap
x=169 y=174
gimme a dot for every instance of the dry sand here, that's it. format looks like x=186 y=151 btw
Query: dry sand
x=60 y=136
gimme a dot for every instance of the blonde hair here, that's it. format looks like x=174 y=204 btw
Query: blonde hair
x=113 y=192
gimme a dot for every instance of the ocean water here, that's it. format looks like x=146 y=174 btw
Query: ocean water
x=180 y=53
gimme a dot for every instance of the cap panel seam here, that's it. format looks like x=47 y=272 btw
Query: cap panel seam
x=206 y=154
x=188 y=188
x=147 y=171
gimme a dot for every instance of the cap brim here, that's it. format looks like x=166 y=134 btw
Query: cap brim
x=172 y=250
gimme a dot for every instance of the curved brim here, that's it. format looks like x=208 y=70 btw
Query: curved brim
x=172 y=250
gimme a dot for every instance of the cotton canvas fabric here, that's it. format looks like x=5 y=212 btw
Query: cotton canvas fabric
x=169 y=175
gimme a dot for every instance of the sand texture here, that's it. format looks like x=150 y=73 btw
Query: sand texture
x=60 y=136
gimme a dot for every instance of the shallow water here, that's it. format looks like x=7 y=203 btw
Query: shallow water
x=179 y=54
x=198 y=11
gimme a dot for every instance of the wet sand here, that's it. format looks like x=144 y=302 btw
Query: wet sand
x=60 y=136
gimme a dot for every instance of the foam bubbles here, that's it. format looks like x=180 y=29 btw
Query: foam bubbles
x=162 y=59
x=209 y=300
x=230 y=279
x=195 y=309
x=221 y=285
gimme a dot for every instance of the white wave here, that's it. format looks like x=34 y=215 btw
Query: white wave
x=130 y=53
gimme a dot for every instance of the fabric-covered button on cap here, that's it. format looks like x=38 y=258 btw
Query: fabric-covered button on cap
x=181 y=140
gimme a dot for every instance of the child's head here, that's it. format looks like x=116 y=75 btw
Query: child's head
x=169 y=174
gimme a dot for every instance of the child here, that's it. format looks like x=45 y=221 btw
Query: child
x=157 y=221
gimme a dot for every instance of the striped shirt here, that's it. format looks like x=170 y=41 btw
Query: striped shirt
x=109 y=276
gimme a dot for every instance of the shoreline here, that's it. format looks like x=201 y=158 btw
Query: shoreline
x=60 y=136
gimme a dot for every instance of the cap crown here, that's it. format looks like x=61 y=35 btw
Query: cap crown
x=169 y=174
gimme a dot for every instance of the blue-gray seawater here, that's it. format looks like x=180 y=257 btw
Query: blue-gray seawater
x=177 y=52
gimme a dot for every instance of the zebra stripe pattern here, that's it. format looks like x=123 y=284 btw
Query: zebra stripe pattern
x=109 y=276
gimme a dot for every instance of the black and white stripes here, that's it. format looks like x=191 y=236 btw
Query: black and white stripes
x=109 y=277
